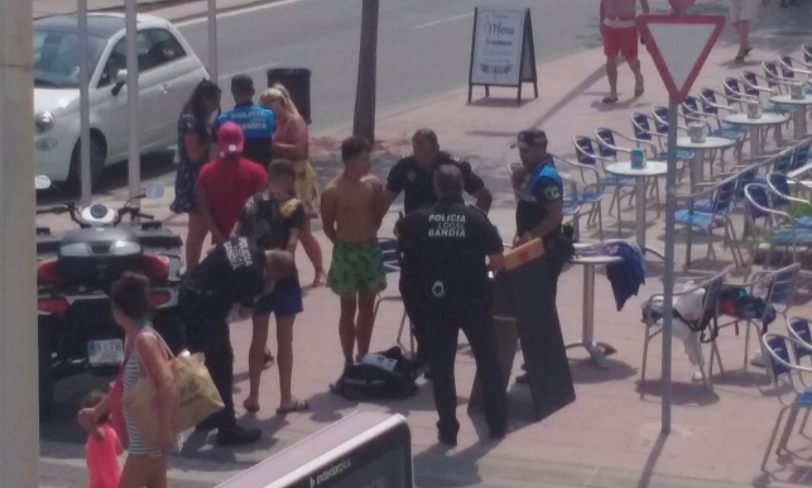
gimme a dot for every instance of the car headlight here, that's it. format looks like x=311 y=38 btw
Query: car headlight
x=44 y=122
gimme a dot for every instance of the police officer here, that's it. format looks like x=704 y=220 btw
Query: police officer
x=234 y=272
x=257 y=123
x=539 y=211
x=449 y=243
x=414 y=177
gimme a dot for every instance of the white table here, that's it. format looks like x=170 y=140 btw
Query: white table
x=653 y=169
x=800 y=111
x=711 y=143
x=597 y=350
x=754 y=126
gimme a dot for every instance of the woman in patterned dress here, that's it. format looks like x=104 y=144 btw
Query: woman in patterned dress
x=194 y=139
x=148 y=356
x=291 y=141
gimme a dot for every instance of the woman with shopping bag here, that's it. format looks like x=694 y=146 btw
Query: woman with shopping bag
x=146 y=356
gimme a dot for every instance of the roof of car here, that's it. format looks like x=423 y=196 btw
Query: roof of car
x=98 y=24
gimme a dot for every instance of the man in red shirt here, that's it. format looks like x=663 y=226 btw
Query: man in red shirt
x=226 y=183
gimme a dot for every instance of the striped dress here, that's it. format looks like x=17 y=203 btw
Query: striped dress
x=137 y=444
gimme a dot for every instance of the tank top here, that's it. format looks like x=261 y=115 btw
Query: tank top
x=103 y=470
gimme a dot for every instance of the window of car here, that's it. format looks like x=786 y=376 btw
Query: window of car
x=165 y=47
x=56 y=57
x=117 y=60
x=156 y=47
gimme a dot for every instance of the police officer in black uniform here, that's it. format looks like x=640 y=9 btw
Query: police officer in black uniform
x=234 y=272
x=539 y=211
x=414 y=177
x=449 y=243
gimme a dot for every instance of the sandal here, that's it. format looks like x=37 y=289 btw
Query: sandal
x=298 y=406
x=609 y=99
x=638 y=90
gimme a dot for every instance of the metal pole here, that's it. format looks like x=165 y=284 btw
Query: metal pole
x=19 y=425
x=134 y=154
x=668 y=276
x=213 y=40
x=84 y=105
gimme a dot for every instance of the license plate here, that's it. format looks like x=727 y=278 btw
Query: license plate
x=108 y=352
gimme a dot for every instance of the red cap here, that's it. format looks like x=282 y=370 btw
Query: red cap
x=230 y=139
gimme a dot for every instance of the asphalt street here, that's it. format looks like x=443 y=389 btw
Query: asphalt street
x=424 y=46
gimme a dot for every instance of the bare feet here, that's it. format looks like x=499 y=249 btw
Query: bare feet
x=320 y=279
x=638 y=87
x=251 y=405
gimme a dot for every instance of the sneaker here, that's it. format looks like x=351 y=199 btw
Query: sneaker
x=235 y=434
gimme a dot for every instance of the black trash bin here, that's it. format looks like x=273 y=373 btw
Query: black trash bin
x=297 y=81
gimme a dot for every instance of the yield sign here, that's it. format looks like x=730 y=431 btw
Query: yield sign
x=679 y=45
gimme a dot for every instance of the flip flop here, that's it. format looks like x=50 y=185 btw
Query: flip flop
x=609 y=99
x=298 y=406
x=638 y=90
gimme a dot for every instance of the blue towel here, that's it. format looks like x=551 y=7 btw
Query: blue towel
x=625 y=276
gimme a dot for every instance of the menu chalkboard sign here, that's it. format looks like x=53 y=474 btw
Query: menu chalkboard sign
x=502 y=50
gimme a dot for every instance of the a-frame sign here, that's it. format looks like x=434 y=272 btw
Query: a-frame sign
x=502 y=51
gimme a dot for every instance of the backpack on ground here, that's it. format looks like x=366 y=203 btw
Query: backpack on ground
x=386 y=375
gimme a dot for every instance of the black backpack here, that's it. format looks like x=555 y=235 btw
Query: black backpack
x=391 y=379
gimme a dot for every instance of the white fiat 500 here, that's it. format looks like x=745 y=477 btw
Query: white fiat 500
x=169 y=72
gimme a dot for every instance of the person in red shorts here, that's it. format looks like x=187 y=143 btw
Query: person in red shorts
x=225 y=184
x=620 y=37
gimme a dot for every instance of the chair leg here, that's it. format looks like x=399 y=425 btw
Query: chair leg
x=600 y=220
x=791 y=418
x=619 y=219
x=806 y=419
x=747 y=326
x=772 y=438
x=646 y=339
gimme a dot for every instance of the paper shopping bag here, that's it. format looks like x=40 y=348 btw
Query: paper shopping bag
x=196 y=399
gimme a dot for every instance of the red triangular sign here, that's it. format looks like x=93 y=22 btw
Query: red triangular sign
x=679 y=46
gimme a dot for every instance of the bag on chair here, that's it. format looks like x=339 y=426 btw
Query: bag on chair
x=387 y=375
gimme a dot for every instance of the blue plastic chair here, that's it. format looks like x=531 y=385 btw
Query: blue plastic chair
x=586 y=153
x=712 y=216
x=799 y=329
x=710 y=304
x=590 y=195
x=609 y=148
x=779 y=183
x=644 y=127
x=778 y=348
x=802 y=155
x=755 y=89
x=777 y=228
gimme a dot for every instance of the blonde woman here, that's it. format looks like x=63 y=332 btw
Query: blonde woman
x=291 y=141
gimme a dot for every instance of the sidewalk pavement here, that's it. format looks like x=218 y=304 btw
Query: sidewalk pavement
x=174 y=10
x=717 y=438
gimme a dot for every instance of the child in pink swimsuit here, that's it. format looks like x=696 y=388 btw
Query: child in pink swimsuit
x=103 y=448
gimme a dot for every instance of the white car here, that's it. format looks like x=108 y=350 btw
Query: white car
x=169 y=72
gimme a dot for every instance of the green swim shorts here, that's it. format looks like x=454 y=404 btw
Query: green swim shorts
x=357 y=268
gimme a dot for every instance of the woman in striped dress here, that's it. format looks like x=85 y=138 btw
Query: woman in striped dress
x=146 y=354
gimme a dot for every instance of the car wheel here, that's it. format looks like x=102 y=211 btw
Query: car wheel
x=98 y=155
x=46 y=373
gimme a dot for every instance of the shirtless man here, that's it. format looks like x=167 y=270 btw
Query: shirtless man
x=352 y=207
x=620 y=37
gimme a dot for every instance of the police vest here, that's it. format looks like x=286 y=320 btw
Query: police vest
x=546 y=170
x=256 y=122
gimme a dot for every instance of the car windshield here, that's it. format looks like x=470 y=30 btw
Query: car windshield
x=56 y=57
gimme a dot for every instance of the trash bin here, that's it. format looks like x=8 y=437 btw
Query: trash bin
x=297 y=81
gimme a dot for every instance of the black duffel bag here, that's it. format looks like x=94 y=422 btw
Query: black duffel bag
x=386 y=375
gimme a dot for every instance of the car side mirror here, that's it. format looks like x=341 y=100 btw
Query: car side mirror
x=121 y=80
